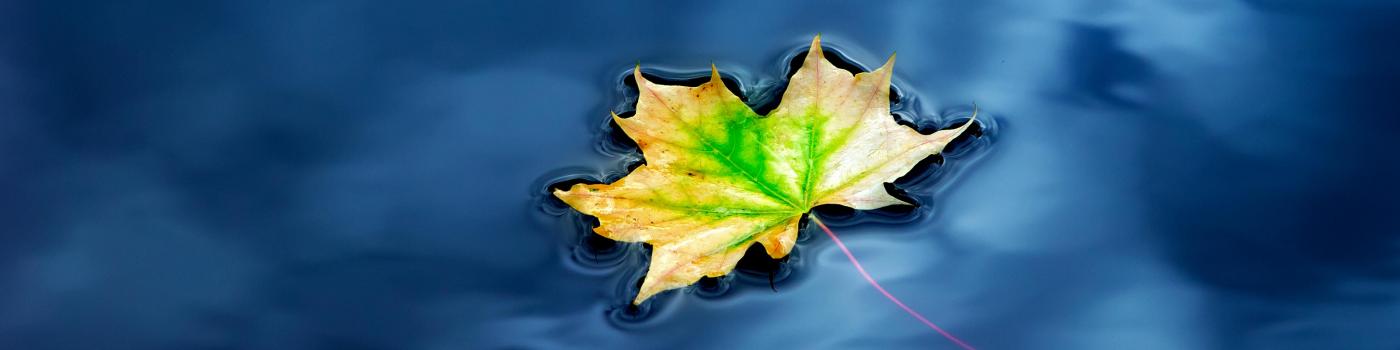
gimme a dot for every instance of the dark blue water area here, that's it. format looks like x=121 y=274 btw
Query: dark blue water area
x=368 y=175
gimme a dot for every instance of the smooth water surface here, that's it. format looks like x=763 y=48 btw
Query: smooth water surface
x=361 y=175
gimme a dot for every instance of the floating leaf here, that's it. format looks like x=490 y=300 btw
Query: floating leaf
x=719 y=177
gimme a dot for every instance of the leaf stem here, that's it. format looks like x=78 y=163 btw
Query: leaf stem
x=882 y=290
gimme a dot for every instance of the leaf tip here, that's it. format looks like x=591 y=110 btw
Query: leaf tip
x=644 y=294
x=815 y=52
x=971 y=119
x=714 y=73
x=561 y=194
x=619 y=120
x=888 y=66
x=946 y=136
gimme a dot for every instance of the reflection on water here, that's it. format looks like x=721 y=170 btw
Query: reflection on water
x=1185 y=175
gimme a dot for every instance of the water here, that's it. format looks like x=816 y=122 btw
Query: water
x=356 y=175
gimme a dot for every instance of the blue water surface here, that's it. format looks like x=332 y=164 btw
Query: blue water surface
x=374 y=175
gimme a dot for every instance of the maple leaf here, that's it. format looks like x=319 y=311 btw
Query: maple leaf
x=719 y=177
